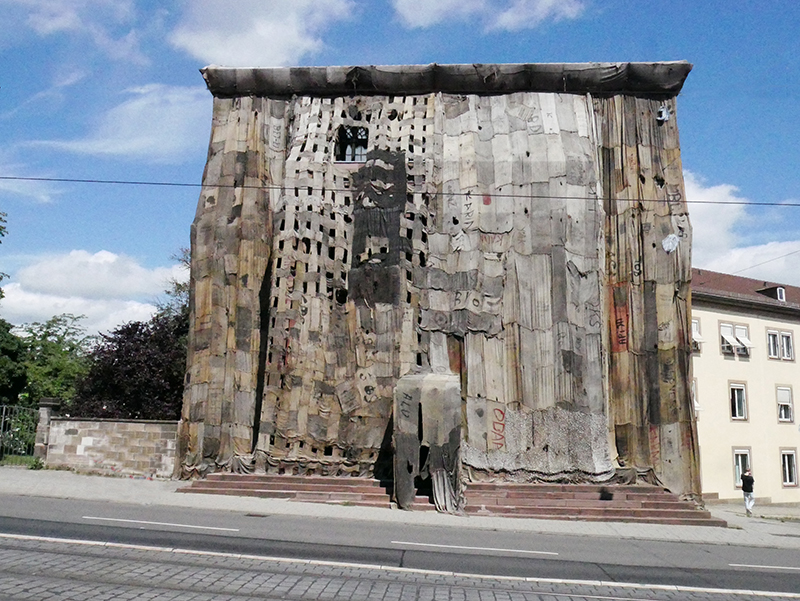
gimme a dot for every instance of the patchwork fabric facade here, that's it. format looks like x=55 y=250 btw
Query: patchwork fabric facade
x=467 y=272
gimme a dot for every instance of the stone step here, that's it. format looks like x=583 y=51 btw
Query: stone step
x=290 y=479
x=570 y=488
x=300 y=495
x=570 y=502
x=589 y=511
x=688 y=520
x=313 y=489
x=646 y=504
x=292 y=486
x=323 y=496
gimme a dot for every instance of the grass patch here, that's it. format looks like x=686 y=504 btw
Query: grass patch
x=21 y=460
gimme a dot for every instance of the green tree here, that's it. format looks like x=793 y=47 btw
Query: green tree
x=13 y=373
x=176 y=297
x=57 y=355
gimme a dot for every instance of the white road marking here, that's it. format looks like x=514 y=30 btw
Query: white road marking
x=400 y=542
x=89 y=517
x=747 y=565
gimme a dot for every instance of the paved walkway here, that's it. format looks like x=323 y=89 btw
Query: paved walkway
x=773 y=525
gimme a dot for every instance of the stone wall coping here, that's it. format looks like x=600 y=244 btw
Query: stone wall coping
x=118 y=421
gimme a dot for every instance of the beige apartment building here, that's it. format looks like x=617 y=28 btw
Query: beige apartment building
x=746 y=378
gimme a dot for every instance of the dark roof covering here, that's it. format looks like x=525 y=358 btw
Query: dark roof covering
x=642 y=79
x=722 y=288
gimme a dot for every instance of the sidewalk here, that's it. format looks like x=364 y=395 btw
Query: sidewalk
x=773 y=526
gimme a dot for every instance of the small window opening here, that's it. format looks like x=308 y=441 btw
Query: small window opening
x=351 y=144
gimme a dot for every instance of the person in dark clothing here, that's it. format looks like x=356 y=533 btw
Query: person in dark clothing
x=747 y=489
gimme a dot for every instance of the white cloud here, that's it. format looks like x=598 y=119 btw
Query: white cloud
x=109 y=289
x=51 y=96
x=713 y=224
x=105 y=22
x=717 y=245
x=102 y=315
x=423 y=13
x=156 y=124
x=507 y=15
x=772 y=262
x=39 y=191
x=254 y=33
x=526 y=14
x=99 y=275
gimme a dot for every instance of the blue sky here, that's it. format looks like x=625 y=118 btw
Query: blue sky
x=110 y=90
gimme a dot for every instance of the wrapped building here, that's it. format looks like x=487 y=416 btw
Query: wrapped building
x=467 y=272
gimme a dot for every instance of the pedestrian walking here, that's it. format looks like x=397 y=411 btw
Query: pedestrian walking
x=747 y=489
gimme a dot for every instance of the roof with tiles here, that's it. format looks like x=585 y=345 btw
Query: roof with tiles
x=714 y=287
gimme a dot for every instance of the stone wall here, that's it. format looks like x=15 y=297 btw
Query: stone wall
x=131 y=447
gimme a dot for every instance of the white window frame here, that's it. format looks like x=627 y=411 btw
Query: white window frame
x=786 y=402
x=697 y=339
x=728 y=342
x=773 y=344
x=789 y=467
x=741 y=463
x=787 y=346
x=738 y=386
x=781 y=294
x=742 y=335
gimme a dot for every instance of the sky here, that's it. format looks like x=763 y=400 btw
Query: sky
x=110 y=90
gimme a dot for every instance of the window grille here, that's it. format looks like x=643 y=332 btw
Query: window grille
x=351 y=144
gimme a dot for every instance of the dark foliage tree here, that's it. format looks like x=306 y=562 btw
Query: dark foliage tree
x=137 y=371
x=13 y=375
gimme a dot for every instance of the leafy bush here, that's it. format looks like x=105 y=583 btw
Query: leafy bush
x=136 y=371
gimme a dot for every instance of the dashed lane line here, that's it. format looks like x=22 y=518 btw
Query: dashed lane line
x=460 y=547
x=191 y=526
x=760 y=567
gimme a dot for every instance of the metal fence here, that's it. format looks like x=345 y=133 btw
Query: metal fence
x=17 y=430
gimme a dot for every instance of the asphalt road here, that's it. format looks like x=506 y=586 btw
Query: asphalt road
x=462 y=550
